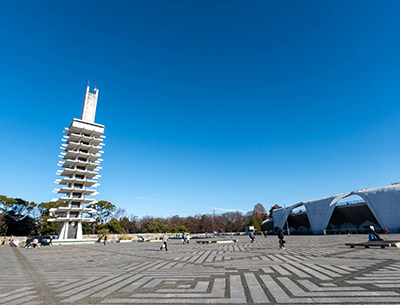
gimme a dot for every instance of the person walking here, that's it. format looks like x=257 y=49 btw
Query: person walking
x=164 y=239
x=3 y=242
x=35 y=243
x=348 y=232
x=281 y=237
x=183 y=238
x=51 y=240
x=28 y=242
x=187 y=238
x=252 y=236
x=105 y=241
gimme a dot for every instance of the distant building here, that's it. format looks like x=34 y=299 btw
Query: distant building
x=249 y=229
x=79 y=170
x=379 y=207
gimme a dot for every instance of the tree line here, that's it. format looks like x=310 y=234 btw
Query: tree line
x=20 y=217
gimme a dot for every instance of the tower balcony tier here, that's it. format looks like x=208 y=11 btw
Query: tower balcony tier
x=86 y=128
x=84 y=182
x=71 y=172
x=79 y=146
x=73 y=209
x=69 y=199
x=58 y=219
x=63 y=219
x=76 y=162
x=85 y=210
x=73 y=137
x=84 y=131
x=73 y=154
x=62 y=209
x=68 y=190
x=84 y=149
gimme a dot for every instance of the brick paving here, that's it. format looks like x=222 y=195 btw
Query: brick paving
x=312 y=270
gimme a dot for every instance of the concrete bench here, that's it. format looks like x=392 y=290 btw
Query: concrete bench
x=381 y=244
x=216 y=241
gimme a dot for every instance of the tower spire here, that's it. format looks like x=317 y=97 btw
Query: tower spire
x=89 y=105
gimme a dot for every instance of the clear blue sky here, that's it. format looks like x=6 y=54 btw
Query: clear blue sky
x=206 y=104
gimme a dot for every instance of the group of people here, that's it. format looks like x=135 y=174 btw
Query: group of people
x=32 y=243
x=14 y=242
x=281 y=237
x=185 y=238
x=165 y=239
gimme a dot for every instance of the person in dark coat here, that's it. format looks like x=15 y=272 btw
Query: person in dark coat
x=28 y=242
x=281 y=237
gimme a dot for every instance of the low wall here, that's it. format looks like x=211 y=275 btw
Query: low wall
x=136 y=236
x=110 y=237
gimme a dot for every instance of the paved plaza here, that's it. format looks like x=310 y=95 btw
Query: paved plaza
x=312 y=270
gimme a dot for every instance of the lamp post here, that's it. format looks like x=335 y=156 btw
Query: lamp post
x=287 y=222
x=213 y=221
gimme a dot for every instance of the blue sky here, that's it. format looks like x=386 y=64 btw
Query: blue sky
x=206 y=104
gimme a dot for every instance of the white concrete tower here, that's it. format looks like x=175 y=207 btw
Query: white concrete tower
x=80 y=167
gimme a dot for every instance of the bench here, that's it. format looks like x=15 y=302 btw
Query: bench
x=381 y=244
x=216 y=241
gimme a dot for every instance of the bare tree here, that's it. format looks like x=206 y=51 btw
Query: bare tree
x=234 y=221
x=259 y=211
x=192 y=223
x=120 y=213
x=142 y=222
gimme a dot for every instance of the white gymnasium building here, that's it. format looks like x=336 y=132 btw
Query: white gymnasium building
x=379 y=207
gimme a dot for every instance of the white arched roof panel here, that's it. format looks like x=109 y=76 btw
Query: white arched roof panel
x=281 y=215
x=319 y=211
x=384 y=203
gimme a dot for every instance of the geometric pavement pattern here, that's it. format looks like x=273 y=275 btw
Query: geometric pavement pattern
x=312 y=270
